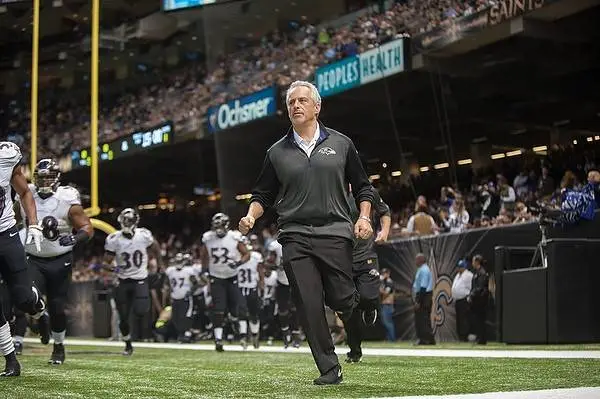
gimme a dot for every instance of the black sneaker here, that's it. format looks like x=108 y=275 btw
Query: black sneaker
x=219 y=346
x=18 y=348
x=353 y=357
x=255 y=341
x=296 y=343
x=12 y=369
x=128 y=351
x=58 y=354
x=369 y=317
x=44 y=327
x=333 y=377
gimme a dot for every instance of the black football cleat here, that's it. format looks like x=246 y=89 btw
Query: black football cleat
x=353 y=357
x=287 y=340
x=219 y=346
x=44 y=327
x=18 y=348
x=128 y=351
x=12 y=369
x=332 y=377
x=58 y=355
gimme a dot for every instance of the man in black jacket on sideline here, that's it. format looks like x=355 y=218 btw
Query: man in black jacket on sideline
x=478 y=298
x=306 y=177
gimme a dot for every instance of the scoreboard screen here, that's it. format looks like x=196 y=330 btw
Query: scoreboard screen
x=136 y=142
x=175 y=5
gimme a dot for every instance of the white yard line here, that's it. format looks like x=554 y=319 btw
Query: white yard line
x=341 y=350
x=571 y=393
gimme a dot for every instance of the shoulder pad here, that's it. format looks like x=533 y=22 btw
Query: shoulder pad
x=257 y=256
x=207 y=236
x=68 y=193
x=236 y=235
x=112 y=236
x=145 y=232
x=10 y=151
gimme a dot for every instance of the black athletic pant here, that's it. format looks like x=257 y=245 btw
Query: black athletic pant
x=14 y=272
x=423 y=319
x=267 y=318
x=132 y=295
x=226 y=297
x=251 y=304
x=320 y=272
x=366 y=279
x=52 y=276
x=479 y=318
x=462 y=319
x=181 y=315
x=285 y=308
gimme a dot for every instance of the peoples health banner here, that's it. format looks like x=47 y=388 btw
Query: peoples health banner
x=372 y=65
x=242 y=110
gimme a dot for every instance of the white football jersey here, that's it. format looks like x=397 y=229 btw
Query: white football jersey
x=221 y=251
x=58 y=206
x=131 y=254
x=270 y=286
x=10 y=156
x=276 y=247
x=180 y=281
x=248 y=272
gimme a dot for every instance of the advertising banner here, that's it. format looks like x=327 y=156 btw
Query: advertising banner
x=456 y=30
x=242 y=110
x=339 y=76
x=354 y=71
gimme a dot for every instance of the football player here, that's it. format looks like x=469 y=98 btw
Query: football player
x=13 y=265
x=222 y=253
x=184 y=277
x=59 y=208
x=131 y=247
x=250 y=280
x=283 y=297
x=365 y=270
x=268 y=309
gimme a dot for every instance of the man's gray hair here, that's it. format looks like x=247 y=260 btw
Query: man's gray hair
x=314 y=92
x=421 y=255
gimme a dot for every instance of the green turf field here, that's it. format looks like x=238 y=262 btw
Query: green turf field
x=93 y=372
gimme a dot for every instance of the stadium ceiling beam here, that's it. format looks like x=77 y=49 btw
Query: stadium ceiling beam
x=445 y=66
x=550 y=31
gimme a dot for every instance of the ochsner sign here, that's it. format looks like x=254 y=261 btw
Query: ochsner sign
x=242 y=110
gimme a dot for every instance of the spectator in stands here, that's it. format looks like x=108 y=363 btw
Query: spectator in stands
x=421 y=223
x=521 y=184
x=545 y=185
x=507 y=194
x=459 y=217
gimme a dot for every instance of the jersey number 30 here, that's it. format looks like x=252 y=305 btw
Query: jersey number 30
x=134 y=259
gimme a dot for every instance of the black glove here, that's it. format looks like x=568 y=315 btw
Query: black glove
x=70 y=239
x=234 y=264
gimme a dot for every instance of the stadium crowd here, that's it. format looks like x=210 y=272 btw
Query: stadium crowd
x=187 y=91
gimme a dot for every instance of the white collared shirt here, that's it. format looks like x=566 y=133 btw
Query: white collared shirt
x=461 y=286
x=308 y=147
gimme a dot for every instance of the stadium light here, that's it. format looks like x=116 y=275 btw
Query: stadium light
x=574 y=142
x=374 y=177
x=596 y=138
x=441 y=165
x=498 y=156
x=514 y=153
x=242 y=197
x=590 y=139
x=396 y=173
x=424 y=168
x=465 y=161
x=540 y=148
